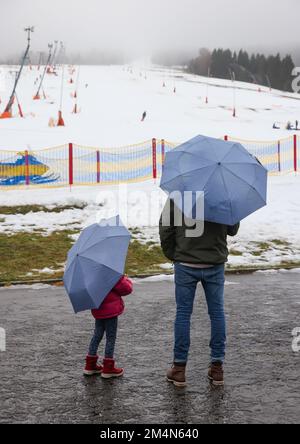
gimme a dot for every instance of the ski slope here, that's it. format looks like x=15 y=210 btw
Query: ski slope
x=112 y=104
x=112 y=100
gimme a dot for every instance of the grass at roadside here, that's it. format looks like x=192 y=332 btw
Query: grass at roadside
x=25 y=256
x=144 y=259
x=21 y=253
x=41 y=256
x=25 y=209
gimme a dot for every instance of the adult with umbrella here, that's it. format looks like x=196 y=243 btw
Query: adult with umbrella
x=94 y=281
x=233 y=183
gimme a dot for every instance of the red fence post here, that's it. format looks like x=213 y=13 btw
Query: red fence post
x=226 y=138
x=98 y=166
x=295 y=153
x=154 y=166
x=70 y=164
x=279 y=156
x=162 y=152
x=27 y=177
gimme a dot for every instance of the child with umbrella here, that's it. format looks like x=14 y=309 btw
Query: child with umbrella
x=94 y=280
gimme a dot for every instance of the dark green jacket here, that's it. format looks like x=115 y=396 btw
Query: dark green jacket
x=210 y=248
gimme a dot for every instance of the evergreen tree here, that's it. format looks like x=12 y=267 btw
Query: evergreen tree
x=255 y=68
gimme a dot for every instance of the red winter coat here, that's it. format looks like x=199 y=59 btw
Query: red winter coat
x=113 y=304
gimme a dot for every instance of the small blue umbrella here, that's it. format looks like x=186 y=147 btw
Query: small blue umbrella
x=96 y=262
x=234 y=182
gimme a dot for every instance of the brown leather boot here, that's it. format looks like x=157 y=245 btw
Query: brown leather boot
x=176 y=375
x=216 y=373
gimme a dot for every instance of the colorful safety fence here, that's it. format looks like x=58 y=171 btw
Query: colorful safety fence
x=73 y=164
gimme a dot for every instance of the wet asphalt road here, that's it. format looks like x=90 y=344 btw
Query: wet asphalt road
x=41 y=371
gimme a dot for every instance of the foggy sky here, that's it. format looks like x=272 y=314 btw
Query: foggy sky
x=145 y=26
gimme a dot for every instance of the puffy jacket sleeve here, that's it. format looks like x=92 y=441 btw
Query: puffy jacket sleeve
x=167 y=234
x=124 y=286
x=232 y=230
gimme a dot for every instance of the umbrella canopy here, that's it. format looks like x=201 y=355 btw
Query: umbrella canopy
x=95 y=263
x=233 y=181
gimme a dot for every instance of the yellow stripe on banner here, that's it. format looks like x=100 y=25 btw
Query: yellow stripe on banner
x=259 y=142
x=55 y=185
x=133 y=180
x=267 y=159
x=54 y=148
x=119 y=149
x=171 y=144
x=20 y=152
x=106 y=182
x=273 y=158
x=110 y=167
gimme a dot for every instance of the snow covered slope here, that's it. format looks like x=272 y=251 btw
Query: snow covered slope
x=115 y=98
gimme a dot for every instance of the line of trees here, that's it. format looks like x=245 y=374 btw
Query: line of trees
x=272 y=70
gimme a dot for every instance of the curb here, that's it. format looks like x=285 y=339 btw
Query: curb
x=229 y=271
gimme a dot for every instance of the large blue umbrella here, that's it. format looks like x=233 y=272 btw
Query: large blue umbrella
x=233 y=181
x=95 y=263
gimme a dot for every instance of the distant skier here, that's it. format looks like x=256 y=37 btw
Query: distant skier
x=275 y=126
x=289 y=126
x=297 y=125
x=143 y=116
x=86 y=85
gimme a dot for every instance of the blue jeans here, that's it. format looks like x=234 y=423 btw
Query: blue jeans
x=109 y=327
x=212 y=280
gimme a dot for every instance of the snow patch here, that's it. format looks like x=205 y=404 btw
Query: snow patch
x=166 y=266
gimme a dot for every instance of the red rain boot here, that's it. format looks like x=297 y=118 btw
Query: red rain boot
x=109 y=369
x=91 y=367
